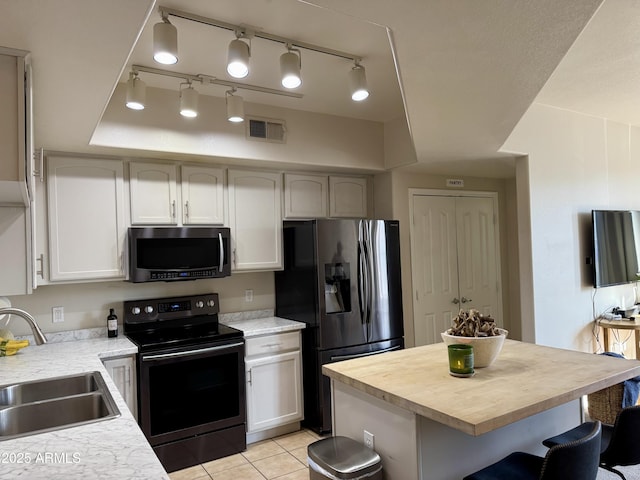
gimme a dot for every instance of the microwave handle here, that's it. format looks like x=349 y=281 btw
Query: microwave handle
x=221 y=252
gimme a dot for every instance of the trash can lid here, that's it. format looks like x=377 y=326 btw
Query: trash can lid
x=344 y=457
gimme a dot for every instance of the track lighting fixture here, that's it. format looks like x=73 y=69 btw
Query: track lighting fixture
x=290 y=64
x=165 y=42
x=238 y=58
x=235 y=107
x=358 y=83
x=188 y=101
x=136 y=92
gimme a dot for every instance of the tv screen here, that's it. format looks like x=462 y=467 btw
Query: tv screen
x=616 y=245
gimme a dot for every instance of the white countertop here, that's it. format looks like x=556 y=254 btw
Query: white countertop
x=264 y=326
x=109 y=449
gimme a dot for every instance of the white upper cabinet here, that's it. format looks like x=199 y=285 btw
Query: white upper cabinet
x=305 y=196
x=347 y=197
x=153 y=193
x=255 y=219
x=87 y=228
x=202 y=195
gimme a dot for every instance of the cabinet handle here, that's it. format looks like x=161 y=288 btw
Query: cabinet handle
x=272 y=345
x=186 y=209
x=173 y=209
x=41 y=260
x=234 y=258
x=249 y=377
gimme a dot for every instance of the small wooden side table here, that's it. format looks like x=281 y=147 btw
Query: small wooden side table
x=621 y=324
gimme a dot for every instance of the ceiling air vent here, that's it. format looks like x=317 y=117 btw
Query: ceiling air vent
x=266 y=130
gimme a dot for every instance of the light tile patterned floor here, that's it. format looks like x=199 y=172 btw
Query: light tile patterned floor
x=281 y=458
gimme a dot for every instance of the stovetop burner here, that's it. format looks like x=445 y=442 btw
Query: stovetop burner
x=188 y=335
x=165 y=323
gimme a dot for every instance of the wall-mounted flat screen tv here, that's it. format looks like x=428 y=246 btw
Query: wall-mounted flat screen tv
x=616 y=247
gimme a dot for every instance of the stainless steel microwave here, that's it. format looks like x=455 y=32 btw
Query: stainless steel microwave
x=169 y=254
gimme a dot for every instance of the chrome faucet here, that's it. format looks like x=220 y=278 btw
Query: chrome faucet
x=37 y=333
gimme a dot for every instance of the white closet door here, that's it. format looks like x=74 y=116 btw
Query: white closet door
x=454 y=262
x=434 y=264
x=477 y=266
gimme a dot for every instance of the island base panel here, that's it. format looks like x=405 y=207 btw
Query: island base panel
x=413 y=447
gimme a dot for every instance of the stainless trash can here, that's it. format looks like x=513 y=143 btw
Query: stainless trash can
x=339 y=458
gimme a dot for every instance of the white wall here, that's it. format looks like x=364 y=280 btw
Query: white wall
x=575 y=163
x=313 y=140
x=87 y=305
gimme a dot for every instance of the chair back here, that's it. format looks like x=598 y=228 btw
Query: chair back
x=624 y=446
x=577 y=460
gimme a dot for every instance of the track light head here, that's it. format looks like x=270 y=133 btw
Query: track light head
x=189 y=101
x=290 y=64
x=235 y=107
x=165 y=42
x=358 y=83
x=136 y=92
x=238 y=59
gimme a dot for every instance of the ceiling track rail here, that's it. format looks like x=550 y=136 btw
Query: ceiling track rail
x=247 y=32
x=209 y=79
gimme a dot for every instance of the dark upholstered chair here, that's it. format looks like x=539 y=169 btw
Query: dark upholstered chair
x=620 y=442
x=577 y=460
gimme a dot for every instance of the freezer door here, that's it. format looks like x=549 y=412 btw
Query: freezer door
x=340 y=295
x=337 y=355
x=381 y=246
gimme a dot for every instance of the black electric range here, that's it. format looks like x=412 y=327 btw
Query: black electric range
x=191 y=379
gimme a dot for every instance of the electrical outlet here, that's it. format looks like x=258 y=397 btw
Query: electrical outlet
x=57 y=314
x=368 y=440
x=248 y=295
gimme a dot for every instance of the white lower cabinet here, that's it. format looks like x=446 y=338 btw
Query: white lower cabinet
x=122 y=371
x=274 y=381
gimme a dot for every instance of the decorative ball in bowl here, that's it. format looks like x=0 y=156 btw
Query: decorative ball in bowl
x=472 y=328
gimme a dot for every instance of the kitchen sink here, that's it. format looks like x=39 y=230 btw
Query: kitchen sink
x=53 y=404
x=35 y=391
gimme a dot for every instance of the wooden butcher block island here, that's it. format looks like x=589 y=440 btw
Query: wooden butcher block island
x=419 y=414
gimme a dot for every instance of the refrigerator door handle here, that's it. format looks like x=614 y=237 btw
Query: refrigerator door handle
x=362 y=280
x=339 y=358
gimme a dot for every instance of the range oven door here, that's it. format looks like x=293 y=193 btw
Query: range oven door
x=192 y=391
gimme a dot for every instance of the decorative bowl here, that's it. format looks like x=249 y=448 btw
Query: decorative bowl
x=485 y=349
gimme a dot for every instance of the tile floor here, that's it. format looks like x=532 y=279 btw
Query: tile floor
x=281 y=458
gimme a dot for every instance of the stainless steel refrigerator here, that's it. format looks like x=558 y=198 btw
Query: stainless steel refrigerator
x=342 y=278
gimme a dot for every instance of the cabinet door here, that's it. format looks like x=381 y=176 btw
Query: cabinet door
x=274 y=393
x=305 y=196
x=86 y=218
x=347 y=197
x=202 y=196
x=122 y=371
x=153 y=193
x=255 y=219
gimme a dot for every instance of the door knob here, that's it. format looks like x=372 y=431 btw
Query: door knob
x=465 y=300
x=455 y=300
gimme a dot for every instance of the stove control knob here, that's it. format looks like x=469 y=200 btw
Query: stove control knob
x=148 y=309
x=199 y=304
x=210 y=303
x=135 y=310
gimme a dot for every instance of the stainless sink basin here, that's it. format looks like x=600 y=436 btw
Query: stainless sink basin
x=53 y=404
x=35 y=391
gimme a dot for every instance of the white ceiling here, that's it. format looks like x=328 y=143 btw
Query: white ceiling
x=469 y=70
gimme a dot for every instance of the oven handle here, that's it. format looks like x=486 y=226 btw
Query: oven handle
x=160 y=356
